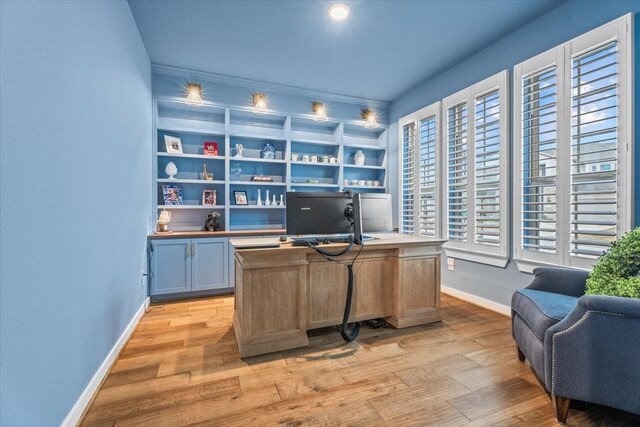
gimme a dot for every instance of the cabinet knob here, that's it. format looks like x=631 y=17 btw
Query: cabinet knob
x=188 y=250
x=193 y=249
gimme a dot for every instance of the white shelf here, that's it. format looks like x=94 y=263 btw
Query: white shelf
x=254 y=159
x=189 y=181
x=311 y=184
x=361 y=187
x=255 y=207
x=257 y=183
x=190 y=156
x=365 y=147
x=365 y=167
x=309 y=141
x=190 y=207
x=315 y=164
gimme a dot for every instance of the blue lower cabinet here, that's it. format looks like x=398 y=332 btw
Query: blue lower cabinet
x=189 y=265
x=209 y=264
x=170 y=266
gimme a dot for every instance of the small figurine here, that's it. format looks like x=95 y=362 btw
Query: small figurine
x=239 y=150
x=213 y=222
x=171 y=170
x=206 y=175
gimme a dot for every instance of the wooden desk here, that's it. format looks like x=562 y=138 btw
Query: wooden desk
x=280 y=293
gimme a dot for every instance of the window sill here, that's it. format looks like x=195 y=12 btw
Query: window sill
x=527 y=266
x=479 y=257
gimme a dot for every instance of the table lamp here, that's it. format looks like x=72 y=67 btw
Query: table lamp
x=163 y=221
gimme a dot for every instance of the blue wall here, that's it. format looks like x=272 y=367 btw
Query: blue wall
x=567 y=21
x=75 y=176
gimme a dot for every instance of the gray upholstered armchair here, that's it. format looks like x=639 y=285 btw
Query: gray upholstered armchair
x=581 y=347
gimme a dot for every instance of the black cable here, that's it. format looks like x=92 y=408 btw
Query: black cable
x=344 y=331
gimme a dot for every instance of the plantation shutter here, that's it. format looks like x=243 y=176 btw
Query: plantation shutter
x=594 y=150
x=427 y=187
x=539 y=100
x=487 y=168
x=408 y=178
x=457 y=211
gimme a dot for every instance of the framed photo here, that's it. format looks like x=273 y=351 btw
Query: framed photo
x=173 y=144
x=241 y=197
x=172 y=195
x=209 y=197
x=211 y=149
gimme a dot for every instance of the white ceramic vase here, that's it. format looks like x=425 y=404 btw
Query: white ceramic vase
x=358 y=158
x=266 y=200
x=259 y=202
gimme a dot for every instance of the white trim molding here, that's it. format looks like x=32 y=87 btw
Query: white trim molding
x=82 y=404
x=476 y=300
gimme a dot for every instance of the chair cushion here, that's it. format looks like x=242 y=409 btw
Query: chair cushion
x=540 y=310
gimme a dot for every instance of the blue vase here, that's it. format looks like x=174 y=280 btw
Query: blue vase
x=268 y=151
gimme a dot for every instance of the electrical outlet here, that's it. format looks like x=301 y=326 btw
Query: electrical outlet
x=451 y=264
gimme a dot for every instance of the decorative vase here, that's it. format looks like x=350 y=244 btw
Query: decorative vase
x=268 y=151
x=281 y=200
x=236 y=170
x=171 y=170
x=274 y=203
x=266 y=200
x=358 y=158
x=259 y=202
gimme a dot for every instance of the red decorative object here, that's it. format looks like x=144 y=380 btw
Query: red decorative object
x=211 y=149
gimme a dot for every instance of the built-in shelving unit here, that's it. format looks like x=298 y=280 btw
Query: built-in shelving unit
x=331 y=144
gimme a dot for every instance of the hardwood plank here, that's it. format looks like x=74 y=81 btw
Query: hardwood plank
x=165 y=400
x=404 y=401
x=495 y=398
x=356 y=414
x=130 y=376
x=443 y=374
x=440 y=414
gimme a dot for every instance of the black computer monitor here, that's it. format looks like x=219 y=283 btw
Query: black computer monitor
x=314 y=213
x=372 y=214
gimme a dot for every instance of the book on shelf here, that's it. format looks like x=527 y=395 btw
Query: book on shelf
x=261 y=178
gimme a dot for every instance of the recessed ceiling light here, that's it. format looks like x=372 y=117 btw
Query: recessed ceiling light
x=339 y=12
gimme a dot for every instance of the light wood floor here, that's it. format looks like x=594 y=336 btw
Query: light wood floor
x=181 y=367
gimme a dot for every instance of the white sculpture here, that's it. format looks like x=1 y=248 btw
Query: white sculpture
x=171 y=170
x=259 y=202
x=266 y=200
x=239 y=150
x=358 y=158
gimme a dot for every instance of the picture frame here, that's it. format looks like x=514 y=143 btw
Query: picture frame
x=241 y=197
x=173 y=144
x=172 y=195
x=210 y=149
x=209 y=197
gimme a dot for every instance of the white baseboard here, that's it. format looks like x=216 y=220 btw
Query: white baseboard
x=476 y=300
x=74 y=416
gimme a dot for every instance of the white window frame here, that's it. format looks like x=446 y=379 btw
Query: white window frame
x=432 y=110
x=496 y=255
x=622 y=30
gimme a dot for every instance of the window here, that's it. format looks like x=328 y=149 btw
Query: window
x=476 y=132
x=420 y=186
x=572 y=160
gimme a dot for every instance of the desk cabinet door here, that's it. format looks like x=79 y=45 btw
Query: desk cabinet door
x=170 y=266
x=209 y=264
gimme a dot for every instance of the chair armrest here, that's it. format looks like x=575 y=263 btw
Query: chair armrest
x=565 y=281
x=592 y=354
